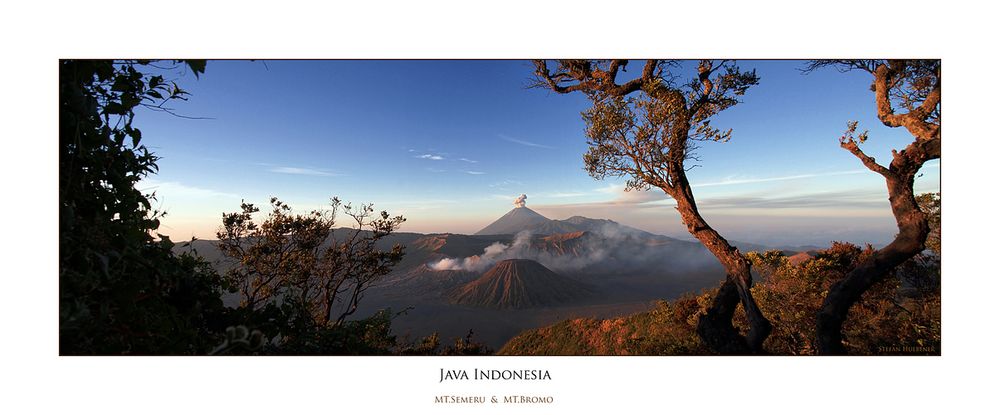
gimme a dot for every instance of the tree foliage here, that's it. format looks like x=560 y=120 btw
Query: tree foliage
x=310 y=274
x=892 y=318
x=124 y=290
x=930 y=204
x=645 y=129
x=121 y=288
x=908 y=95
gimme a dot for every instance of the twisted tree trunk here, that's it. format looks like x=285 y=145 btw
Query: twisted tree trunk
x=913 y=230
x=918 y=85
x=716 y=326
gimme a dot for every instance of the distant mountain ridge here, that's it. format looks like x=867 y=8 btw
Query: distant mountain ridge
x=524 y=219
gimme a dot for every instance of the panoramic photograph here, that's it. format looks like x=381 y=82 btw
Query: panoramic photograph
x=608 y=207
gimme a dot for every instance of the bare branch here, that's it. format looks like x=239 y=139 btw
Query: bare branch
x=850 y=143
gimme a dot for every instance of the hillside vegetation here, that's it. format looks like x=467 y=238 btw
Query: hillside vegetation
x=899 y=316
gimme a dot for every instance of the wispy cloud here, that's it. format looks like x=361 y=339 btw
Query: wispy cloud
x=430 y=157
x=474 y=172
x=732 y=181
x=467 y=160
x=566 y=194
x=504 y=183
x=524 y=142
x=855 y=199
x=611 y=188
x=302 y=171
x=421 y=205
x=867 y=199
x=840 y=201
x=433 y=170
x=177 y=189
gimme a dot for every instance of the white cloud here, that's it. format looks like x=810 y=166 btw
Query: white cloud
x=430 y=157
x=475 y=172
x=467 y=160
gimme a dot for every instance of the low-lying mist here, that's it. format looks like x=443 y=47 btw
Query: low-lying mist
x=605 y=249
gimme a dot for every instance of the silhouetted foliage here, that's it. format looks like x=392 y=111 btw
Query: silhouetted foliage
x=121 y=289
x=313 y=274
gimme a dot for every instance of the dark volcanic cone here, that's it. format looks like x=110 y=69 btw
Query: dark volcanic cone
x=520 y=283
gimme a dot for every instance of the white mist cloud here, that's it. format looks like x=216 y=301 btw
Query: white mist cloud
x=611 y=248
x=492 y=254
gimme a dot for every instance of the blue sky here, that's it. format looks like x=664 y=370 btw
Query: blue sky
x=449 y=144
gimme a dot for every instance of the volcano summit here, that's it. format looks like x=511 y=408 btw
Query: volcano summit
x=521 y=218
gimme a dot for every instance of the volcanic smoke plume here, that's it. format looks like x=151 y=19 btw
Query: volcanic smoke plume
x=519 y=202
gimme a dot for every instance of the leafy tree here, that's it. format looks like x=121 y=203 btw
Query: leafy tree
x=315 y=274
x=466 y=346
x=646 y=129
x=121 y=289
x=908 y=95
x=930 y=204
x=887 y=316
